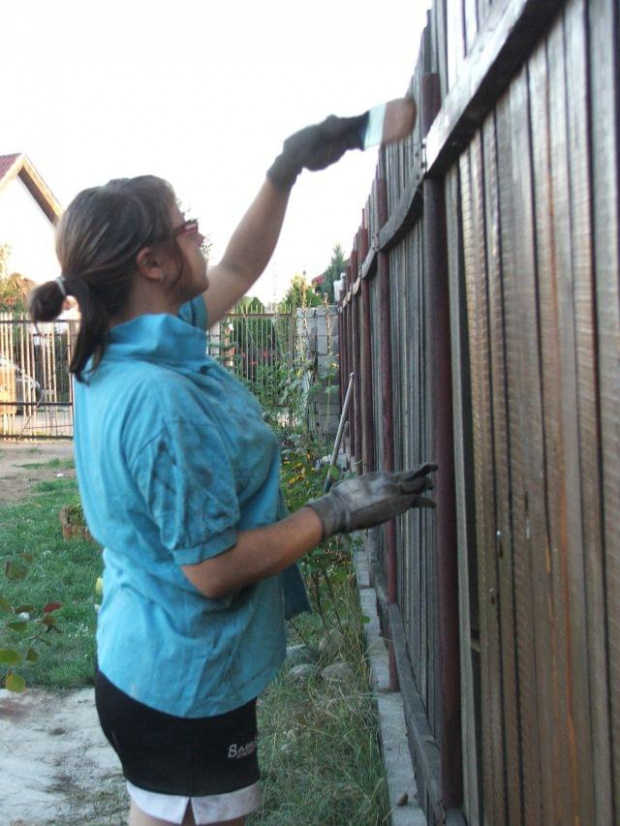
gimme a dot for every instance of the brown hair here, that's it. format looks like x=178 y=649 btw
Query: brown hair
x=97 y=242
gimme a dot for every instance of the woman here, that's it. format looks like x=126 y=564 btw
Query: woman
x=179 y=478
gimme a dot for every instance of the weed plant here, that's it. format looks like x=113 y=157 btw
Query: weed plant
x=319 y=750
x=319 y=745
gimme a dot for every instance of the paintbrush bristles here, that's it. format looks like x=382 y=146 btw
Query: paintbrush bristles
x=399 y=119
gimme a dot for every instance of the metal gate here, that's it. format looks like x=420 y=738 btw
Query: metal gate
x=36 y=395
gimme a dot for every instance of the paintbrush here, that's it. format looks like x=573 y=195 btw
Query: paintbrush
x=390 y=122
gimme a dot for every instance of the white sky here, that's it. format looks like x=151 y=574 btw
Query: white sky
x=203 y=92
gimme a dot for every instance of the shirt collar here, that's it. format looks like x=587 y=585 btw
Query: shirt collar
x=161 y=338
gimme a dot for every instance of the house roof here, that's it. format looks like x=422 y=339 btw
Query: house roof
x=19 y=165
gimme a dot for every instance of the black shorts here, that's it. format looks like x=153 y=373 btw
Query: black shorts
x=178 y=756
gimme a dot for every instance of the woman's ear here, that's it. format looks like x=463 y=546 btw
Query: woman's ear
x=149 y=264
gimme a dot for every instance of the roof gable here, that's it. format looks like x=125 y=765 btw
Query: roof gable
x=19 y=165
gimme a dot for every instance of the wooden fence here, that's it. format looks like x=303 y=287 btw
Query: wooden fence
x=482 y=322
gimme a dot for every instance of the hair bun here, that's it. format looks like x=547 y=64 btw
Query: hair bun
x=46 y=301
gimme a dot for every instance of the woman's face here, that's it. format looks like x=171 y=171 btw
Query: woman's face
x=189 y=239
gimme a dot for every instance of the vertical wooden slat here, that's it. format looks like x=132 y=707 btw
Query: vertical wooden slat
x=558 y=786
x=588 y=406
x=441 y=57
x=503 y=550
x=470 y=10
x=465 y=513
x=604 y=126
x=475 y=279
x=455 y=39
x=483 y=10
x=529 y=483
x=571 y=548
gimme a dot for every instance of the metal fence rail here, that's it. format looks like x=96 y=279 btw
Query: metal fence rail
x=259 y=348
x=36 y=392
x=36 y=395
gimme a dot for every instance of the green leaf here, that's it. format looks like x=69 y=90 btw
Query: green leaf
x=32 y=655
x=24 y=609
x=15 y=569
x=366 y=619
x=5 y=605
x=19 y=626
x=334 y=473
x=8 y=656
x=15 y=683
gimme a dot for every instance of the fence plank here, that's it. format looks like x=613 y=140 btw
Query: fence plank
x=504 y=543
x=470 y=13
x=465 y=511
x=438 y=20
x=558 y=788
x=455 y=40
x=604 y=81
x=587 y=389
x=529 y=491
x=572 y=546
x=511 y=30
x=475 y=279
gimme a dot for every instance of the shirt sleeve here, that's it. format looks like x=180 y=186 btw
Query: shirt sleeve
x=185 y=478
x=195 y=313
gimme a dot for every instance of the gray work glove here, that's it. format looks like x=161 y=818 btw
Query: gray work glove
x=317 y=147
x=371 y=499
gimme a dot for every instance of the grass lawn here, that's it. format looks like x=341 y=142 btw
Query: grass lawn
x=319 y=748
x=59 y=571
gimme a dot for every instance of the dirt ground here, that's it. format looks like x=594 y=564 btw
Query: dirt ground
x=17 y=461
x=56 y=769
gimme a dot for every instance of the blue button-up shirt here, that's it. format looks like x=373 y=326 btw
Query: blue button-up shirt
x=173 y=459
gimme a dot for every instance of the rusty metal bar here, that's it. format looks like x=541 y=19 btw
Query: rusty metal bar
x=387 y=407
x=439 y=348
x=368 y=446
x=356 y=436
x=350 y=356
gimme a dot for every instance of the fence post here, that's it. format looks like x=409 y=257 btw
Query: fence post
x=387 y=407
x=355 y=340
x=368 y=448
x=440 y=368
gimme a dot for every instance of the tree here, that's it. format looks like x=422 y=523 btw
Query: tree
x=300 y=294
x=14 y=288
x=249 y=304
x=14 y=292
x=337 y=266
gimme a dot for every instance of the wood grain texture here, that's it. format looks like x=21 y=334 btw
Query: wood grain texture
x=503 y=536
x=475 y=280
x=603 y=96
x=557 y=791
x=577 y=102
x=571 y=548
x=465 y=508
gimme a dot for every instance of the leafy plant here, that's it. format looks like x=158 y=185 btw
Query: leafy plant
x=75 y=514
x=334 y=271
x=303 y=478
x=300 y=294
x=21 y=627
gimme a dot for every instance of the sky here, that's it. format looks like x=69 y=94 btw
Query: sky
x=203 y=93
